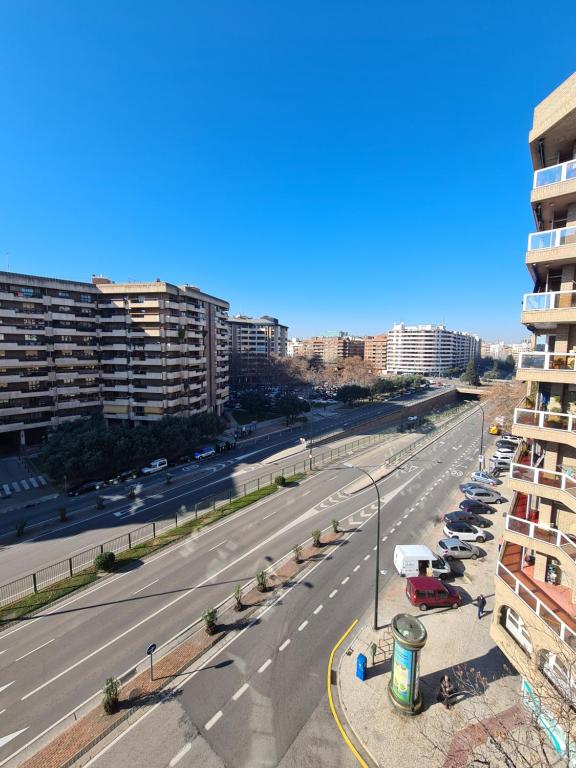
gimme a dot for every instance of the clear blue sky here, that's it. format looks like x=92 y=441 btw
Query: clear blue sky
x=335 y=164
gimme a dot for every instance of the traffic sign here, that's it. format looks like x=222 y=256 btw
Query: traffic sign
x=151 y=648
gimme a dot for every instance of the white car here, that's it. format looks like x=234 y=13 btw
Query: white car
x=487 y=495
x=464 y=531
x=155 y=466
x=502 y=456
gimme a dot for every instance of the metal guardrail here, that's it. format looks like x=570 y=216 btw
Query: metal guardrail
x=81 y=561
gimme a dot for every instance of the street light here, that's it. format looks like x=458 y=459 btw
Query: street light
x=377 y=584
x=481 y=455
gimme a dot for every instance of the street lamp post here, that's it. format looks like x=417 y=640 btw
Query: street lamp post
x=377 y=583
x=481 y=455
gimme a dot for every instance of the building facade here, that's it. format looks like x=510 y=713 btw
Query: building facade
x=132 y=351
x=431 y=350
x=535 y=587
x=376 y=353
x=331 y=349
x=254 y=341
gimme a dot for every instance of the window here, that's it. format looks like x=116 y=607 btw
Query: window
x=63 y=309
x=85 y=298
x=514 y=625
x=33 y=385
x=31 y=337
x=63 y=294
x=66 y=338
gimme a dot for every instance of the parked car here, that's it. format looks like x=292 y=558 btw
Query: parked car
x=467 y=517
x=471 y=486
x=462 y=530
x=506 y=444
x=427 y=592
x=204 y=453
x=485 y=494
x=481 y=476
x=500 y=468
x=417 y=560
x=502 y=456
x=511 y=438
x=90 y=485
x=129 y=474
x=455 y=549
x=155 y=466
x=507 y=448
x=476 y=507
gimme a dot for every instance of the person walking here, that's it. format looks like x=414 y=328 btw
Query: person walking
x=481 y=603
x=446 y=691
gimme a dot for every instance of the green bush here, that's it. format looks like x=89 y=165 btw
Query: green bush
x=110 y=691
x=261 y=581
x=316 y=534
x=209 y=616
x=335 y=525
x=238 y=597
x=297 y=550
x=105 y=561
x=280 y=480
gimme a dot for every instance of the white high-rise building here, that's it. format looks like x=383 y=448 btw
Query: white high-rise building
x=431 y=350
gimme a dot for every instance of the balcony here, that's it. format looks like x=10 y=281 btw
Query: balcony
x=549 y=484
x=554 y=181
x=543 y=309
x=555 y=367
x=552 y=246
x=556 y=542
x=558 y=427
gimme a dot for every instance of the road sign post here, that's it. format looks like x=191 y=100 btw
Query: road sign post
x=150 y=652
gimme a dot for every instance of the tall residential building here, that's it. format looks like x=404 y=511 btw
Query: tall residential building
x=431 y=350
x=132 y=351
x=375 y=353
x=254 y=342
x=535 y=587
x=331 y=349
x=292 y=346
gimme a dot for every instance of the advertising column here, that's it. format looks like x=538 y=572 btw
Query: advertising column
x=409 y=637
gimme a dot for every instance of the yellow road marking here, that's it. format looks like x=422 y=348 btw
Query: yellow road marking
x=351 y=746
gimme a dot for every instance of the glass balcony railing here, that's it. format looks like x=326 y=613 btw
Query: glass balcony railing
x=552 y=238
x=555 y=173
x=543 y=533
x=545 y=419
x=547 y=361
x=534 y=302
x=564 y=481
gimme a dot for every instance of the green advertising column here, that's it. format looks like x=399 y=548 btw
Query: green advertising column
x=409 y=638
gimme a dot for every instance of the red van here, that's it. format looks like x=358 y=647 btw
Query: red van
x=428 y=592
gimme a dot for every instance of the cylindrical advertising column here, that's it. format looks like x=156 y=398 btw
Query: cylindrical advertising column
x=409 y=638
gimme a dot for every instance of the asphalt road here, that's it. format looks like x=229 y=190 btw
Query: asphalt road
x=55 y=661
x=89 y=526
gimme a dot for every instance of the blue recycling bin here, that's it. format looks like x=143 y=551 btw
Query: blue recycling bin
x=361 y=664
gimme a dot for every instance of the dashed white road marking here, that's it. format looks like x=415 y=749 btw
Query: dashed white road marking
x=317 y=610
x=179 y=755
x=146 y=587
x=374 y=548
x=392 y=530
x=406 y=515
x=357 y=568
x=285 y=644
x=7 y=685
x=265 y=666
x=334 y=592
x=385 y=538
x=34 y=650
x=213 y=720
x=303 y=625
x=367 y=557
x=240 y=691
x=345 y=580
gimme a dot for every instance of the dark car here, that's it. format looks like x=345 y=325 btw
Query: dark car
x=467 y=517
x=476 y=507
x=471 y=486
x=129 y=474
x=506 y=444
x=91 y=485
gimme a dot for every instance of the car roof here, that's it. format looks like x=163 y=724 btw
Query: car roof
x=425 y=582
x=453 y=542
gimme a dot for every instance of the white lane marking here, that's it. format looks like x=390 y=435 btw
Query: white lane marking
x=303 y=625
x=3 y=687
x=355 y=569
x=2 y=711
x=146 y=587
x=213 y=720
x=385 y=538
x=345 y=580
x=375 y=548
x=265 y=666
x=317 y=610
x=6 y=739
x=216 y=546
x=240 y=691
x=179 y=755
x=367 y=557
x=406 y=515
x=34 y=650
x=285 y=644
x=399 y=522
x=334 y=592
x=392 y=530
x=306 y=493
x=4 y=651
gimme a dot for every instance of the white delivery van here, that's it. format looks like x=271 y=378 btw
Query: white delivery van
x=155 y=466
x=419 y=560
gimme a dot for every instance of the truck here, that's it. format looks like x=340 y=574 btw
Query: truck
x=419 y=560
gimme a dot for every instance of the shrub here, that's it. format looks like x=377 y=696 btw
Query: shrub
x=209 y=616
x=280 y=480
x=297 y=550
x=335 y=525
x=21 y=527
x=62 y=514
x=238 y=597
x=110 y=691
x=316 y=537
x=261 y=581
x=105 y=561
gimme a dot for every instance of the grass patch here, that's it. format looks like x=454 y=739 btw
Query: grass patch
x=45 y=596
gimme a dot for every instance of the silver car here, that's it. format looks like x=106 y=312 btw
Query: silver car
x=455 y=549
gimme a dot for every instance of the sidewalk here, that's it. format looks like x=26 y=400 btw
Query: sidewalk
x=459 y=645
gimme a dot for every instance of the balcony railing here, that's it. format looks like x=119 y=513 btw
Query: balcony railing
x=547 y=361
x=545 y=419
x=542 y=533
x=540 y=476
x=552 y=238
x=555 y=173
x=534 y=302
x=548 y=617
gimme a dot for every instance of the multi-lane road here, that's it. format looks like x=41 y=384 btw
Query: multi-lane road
x=251 y=710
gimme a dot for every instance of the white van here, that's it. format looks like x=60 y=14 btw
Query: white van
x=419 y=560
x=155 y=466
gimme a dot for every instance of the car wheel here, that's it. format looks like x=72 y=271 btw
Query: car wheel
x=474 y=556
x=481 y=539
x=454 y=605
x=423 y=607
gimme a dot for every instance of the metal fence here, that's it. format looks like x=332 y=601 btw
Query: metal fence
x=51 y=574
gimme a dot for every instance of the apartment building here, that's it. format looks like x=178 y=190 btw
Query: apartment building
x=431 y=350
x=331 y=349
x=254 y=341
x=535 y=586
x=376 y=353
x=500 y=350
x=132 y=351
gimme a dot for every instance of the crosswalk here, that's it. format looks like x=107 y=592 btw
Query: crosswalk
x=28 y=484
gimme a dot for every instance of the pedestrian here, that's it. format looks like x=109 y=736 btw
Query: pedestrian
x=446 y=691
x=481 y=603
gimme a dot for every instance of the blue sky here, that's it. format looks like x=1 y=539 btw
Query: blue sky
x=340 y=165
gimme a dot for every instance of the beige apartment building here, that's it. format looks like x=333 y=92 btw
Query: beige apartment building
x=254 y=341
x=431 y=350
x=331 y=349
x=534 y=619
x=132 y=351
x=376 y=353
